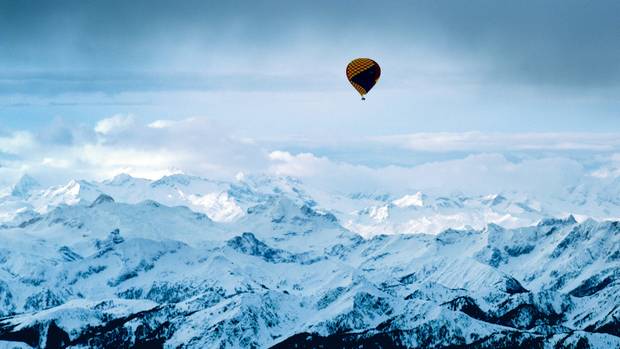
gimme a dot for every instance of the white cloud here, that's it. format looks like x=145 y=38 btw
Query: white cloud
x=195 y=145
x=114 y=124
x=162 y=123
x=610 y=168
x=17 y=142
x=109 y=159
x=203 y=147
x=479 y=141
x=57 y=163
x=484 y=173
x=300 y=165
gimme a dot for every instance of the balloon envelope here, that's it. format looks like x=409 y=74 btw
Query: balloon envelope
x=363 y=74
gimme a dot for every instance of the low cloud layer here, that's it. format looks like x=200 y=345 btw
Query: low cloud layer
x=485 y=163
x=120 y=144
x=483 y=173
x=479 y=141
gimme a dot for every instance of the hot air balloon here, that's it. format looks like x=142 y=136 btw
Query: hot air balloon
x=363 y=74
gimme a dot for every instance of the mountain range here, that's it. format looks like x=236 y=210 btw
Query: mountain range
x=264 y=261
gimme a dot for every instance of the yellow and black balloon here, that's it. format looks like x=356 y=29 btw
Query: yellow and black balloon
x=363 y=74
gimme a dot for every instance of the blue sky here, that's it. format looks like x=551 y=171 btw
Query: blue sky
x=528 y=79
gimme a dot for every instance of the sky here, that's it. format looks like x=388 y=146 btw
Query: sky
x=94 y=88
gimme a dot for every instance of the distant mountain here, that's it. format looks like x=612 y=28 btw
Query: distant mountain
x=364 y=213
x=24 y=186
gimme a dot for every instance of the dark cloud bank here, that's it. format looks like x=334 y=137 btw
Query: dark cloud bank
x=91 y=45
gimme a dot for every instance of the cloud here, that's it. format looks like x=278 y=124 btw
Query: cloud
x=528 y=66
x=479 y=141
x=300 y=165
x=57 y=163
x=566 y=43
x=62 y=132
x=609 y=169
x=16 y=142
x=484 y=162
x=114 y=124
x=123 y=144
x=162 y=123
x=483 y=173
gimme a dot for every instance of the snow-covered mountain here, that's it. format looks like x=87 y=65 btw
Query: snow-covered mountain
x=366 y=213
x=271 y=262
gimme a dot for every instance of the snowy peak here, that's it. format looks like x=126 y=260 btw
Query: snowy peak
x=570 y=220
x=178 y=180
x=366 y=213
x=269 y=186
x=78 y=224
x=284 y=211
x=494 y=200
x=24 y=186
x=123 y=180
x=416 y=200
x=73 y=193
x=102 y=199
